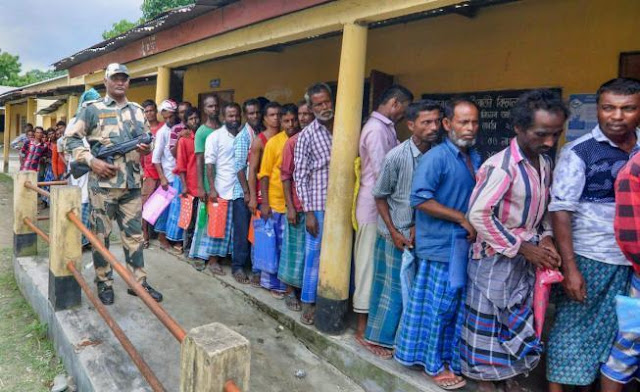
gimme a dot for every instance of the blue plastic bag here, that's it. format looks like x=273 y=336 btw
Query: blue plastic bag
x=407 y=275
x=628 y=311
x=458 y=258
x=265 y=251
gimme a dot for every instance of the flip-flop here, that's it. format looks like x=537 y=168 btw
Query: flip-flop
x=255 y=281
x=448 y=383
x=292 y=302
x=276 y=294
x=145 y=244
x=374 y=348
x=216 y=271
x=308 y=316
x=241 y=277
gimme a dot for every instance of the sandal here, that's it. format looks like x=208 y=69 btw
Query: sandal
x=241 y=277
x=378 y=351
x=216 y=269
x=177 y=248
x=276 y=294
x=449 y=381
x=255 y=281
x=292 y=302
x=308 y=315
x=199 y=265
x=145 y=244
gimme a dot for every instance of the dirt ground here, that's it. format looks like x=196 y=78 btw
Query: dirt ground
x=27 y=358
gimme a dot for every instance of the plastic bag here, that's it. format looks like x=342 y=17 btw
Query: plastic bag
x=628 y=309
x=458 y=258
x=186 y=211
x=265 y=251
x=217 y=224
x=201 y=221
x=407 y=275
x=157 y=203
x=544 y=279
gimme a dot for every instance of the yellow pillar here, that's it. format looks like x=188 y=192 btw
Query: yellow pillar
x=31 y=111
x=25 y=205
x=7 y=137
x=72 y=106
x=335 y=259
x=46 y=122
x=162 y=84
x=65 y=246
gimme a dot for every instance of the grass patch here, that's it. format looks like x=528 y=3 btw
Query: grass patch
x=28 y=361
x=5 y=178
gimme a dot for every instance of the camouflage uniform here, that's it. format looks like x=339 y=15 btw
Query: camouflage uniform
x=102 y=122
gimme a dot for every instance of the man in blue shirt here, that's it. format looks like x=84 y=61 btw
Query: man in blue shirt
x=442 y=184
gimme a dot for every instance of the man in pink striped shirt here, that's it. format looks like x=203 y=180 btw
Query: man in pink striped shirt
x=508 y=209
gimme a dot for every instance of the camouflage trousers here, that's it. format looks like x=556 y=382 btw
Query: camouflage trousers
x=125 y=207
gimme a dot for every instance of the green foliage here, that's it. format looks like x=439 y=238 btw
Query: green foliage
x=152 y=8
x=120 y=27
x=10 y=68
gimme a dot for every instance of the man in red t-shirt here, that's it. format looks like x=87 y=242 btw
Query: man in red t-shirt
x=186 y=167
x=151 y=179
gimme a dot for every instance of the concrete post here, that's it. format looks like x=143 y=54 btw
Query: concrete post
x=335 y=260
x=7 y=137
x=65 y=246
x=31 y=111
x=162 y=84
x=211 y=355
x=72 y=106
x=25 y=205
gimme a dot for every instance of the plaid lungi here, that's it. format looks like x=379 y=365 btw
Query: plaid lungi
x=161 y=223
x=385 y=306
x=311 y=262
x=203 y=246
x=624 y=359
x=48 y=176
x=292 y=254
x=583 y=333
x=269 y=280
x=498 y=340
x=175 y=233
x=429 y=331
x=86 y=214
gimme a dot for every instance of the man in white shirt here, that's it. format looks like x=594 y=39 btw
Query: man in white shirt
x=219 y=151
x=164 y=162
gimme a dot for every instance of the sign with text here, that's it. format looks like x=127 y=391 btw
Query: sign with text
x=495 y=112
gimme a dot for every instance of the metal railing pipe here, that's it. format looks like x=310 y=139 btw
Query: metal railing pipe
x=231 y=386
x=48 y=183
x=172 y=325
x=36 y=229
x=34 y=188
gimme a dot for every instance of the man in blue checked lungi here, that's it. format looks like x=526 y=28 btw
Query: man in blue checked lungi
x=508 y=211
x=430 y=327
x=395 y=226
x=594 y=268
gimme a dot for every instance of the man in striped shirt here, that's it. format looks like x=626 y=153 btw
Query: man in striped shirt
x=508 y=210
x=311 y=176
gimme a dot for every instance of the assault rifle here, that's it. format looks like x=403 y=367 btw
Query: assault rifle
x=108 y=153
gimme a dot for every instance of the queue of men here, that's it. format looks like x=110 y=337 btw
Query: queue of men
x=471 y=234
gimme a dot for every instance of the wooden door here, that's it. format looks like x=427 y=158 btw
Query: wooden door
x=378 y=82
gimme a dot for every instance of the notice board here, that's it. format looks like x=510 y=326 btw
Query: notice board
x=495 y=111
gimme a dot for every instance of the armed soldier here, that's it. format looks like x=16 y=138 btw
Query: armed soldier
x=114 y=189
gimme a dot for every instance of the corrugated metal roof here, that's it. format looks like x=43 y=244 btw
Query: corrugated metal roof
x=161 y=22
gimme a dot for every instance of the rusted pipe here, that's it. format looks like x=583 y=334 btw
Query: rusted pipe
x=48 y=183
x=145 y=370
x=34 y=188
x=36 y=229
x=43 y=218
x=231 y=386
x=162 y=315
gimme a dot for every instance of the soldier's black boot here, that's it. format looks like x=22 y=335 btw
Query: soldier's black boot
x=105 y=293
x=152 y=292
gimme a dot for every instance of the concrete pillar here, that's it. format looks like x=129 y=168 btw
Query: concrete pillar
x=65 y=246
x=7 y=137
x=211 y=355
x=25 y=205
x=335 y=260
x=31 y=111
x=72 y=106
x=162 y=84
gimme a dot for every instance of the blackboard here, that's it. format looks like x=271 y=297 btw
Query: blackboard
x=495 y=125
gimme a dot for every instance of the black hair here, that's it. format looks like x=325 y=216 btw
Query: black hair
x=423 y=105
x=231 y=105
x=450 y=106
x=38 y=127
x=316 y=88
x=149 y=102
x=263 y=101
x=187 y=103
x=270 y=105
x=61 y=123
x=190 y=112
x=251 y=102
x=396 y=91
x=289 y=108
x=620 y=86
x=523 y=111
